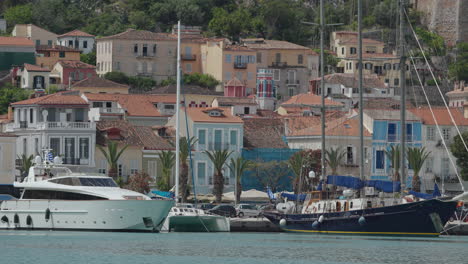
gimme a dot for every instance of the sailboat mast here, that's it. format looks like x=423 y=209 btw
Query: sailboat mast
x=361 y=101
x=322 y=84
x=403 y=97
x=177 y=116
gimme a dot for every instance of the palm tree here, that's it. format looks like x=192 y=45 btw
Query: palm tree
x=112 y=156
x=26 y=163
x=296 y=162
x=185 y=147
x=393 y=154
x=416 y=159
x=238 y=166
x=333 y=158
x=218 y=158
x=167 y=159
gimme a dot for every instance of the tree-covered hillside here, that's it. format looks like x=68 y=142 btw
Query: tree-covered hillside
x=276 y=19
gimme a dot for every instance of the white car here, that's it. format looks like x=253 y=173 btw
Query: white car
x=247 y=210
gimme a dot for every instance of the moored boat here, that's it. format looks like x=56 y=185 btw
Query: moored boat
x=186 y=218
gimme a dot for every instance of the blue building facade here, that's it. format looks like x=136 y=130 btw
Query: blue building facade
x=386 y=131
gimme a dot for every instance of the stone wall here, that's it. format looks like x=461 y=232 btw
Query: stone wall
x=446 y=17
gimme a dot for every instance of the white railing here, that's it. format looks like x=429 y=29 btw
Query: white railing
x=113 y=110
x=51 y=125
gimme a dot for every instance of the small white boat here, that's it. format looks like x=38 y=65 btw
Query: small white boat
x=54 y=198
x=187 y=218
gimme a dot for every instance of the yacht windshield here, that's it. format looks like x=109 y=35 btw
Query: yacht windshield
x=85 y=181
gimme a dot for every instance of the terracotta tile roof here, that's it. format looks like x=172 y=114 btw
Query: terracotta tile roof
x=95 y=81
x=442 y=116
x=308 y=99
x=35 y=68
x=334 y=126
x=305 y=125
x=364 y=41
x=349 y=80
x=185 y=89
x=135 y=104
x=263 y=133
x=231 y=101
x=266 y=44
x=202 y=115
x=75 y=64
x=133 y=34
x=61 y=98
x=76 y=33
x=41 y=48
x=234 y=82
x=16 y=41
x=231 y=47
x=137 y=136
x=385 y=103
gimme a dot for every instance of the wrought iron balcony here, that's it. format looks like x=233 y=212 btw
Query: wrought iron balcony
x=188 y=57
x=279 y=64
x=240 y=65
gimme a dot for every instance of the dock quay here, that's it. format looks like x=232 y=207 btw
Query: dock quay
x=253 y=224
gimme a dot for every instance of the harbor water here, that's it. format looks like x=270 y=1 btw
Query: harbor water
x=48 y=247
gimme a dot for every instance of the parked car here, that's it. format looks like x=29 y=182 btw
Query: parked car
x=267 y=207
x=224 y=210
x=206 y=206
x=247 y=210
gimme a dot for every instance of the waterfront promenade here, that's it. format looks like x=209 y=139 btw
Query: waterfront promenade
x=45 y=247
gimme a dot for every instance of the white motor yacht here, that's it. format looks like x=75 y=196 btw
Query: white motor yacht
x=187 y=218
x=54 y=198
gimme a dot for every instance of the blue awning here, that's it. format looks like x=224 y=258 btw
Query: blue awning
x=384 y=186
x=356 y=183
x=435 y=193
x=293 y=197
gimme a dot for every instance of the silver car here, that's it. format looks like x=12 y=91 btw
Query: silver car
x=247 y=210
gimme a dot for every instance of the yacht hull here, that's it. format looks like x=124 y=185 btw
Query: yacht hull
x=424 y=218
x=196 y=223
x=89 y=215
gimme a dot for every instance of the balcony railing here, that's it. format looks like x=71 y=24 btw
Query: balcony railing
x=113 y=110
x=240 y=65
x=188 y=57
x=292 y=81
x=217 y=146
x=23 y=124
x=392 y=138
x=144 y=55
x=51 y=125
x=279 y=64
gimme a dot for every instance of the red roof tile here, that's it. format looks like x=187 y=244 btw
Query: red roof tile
x=62 y=98
x=75 y=64
x=133 y=34
x=95 y=81
x=264 y=133
x=35 y=68
x=135 y=104
x=442 y=116
x=308 y=99
x=202 y=115
x=16 y=41
x=76 y=33
x=41 y=48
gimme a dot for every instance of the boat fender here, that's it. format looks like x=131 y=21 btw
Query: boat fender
x=320 y=220
x=362 y=220
x=16 y=219
x=29 y=220
x=47 y=215
x=315 y=224
x=4 y=219
x=282 y=222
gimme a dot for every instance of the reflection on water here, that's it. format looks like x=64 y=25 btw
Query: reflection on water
x=247 y=248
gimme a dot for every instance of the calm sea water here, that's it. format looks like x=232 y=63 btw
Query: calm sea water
x=50 y=247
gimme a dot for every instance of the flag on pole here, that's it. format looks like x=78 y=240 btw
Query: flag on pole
x=50 y=157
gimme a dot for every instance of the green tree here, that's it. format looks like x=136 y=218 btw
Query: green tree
x=393 y=154
x=273 y=174
x=238 y=166
x=301 y=163
x=26 y=163
x=140 y=20
x=89 y=58
x=431 y=40
x=112 y=155
x=118 y=77
x=203 y=80
x=230 y=24
x=459 y=151
x=168 y=81
x=167 y=159
x=334 y=157
x=218 y=158
x=459 y=69
x=52 y=89
x=185 y=147
x=141 y=83
x=20 y=14
x=10 y=94
x=416 y=158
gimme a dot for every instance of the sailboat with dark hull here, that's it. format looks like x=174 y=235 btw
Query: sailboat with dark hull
x=372 y=214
